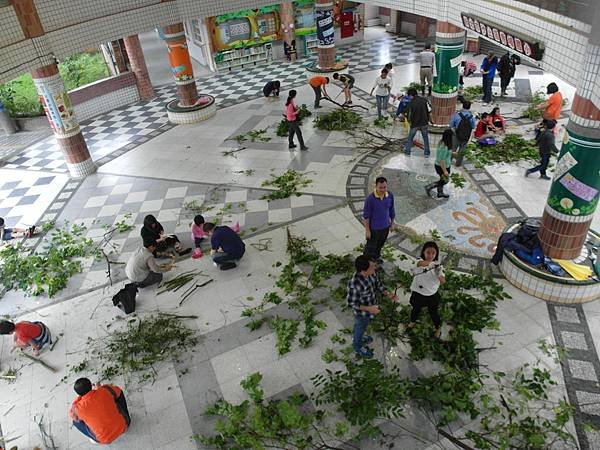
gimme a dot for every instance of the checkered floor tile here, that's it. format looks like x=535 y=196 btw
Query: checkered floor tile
x=24 y=196
x=371 y=55
x=103 y=199
x=108 y=133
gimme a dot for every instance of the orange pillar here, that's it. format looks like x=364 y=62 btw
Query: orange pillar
x=181 y=64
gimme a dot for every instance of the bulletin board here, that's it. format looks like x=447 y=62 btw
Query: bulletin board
x=244 y=28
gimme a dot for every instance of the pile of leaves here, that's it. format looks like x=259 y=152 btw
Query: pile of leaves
x=46 y=271
x=306 y=271
x=413 y=85
x=383 y=122
x=252 y=136
x=505 y=411
x=472 y=93
x=341 y=119
x=287 y=184
x=138 y=349
x=513 y=148
x=283 y=128
x=259 y=423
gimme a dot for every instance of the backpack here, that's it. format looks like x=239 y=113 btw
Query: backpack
x=464 y=128
x=125 y=298
x=527 y=234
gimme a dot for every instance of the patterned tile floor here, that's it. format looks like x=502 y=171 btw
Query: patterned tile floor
x=169 y=411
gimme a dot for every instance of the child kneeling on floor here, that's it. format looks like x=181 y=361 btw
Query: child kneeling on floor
x=428 y=275
x=198 y=234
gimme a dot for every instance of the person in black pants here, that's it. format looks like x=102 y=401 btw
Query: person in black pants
x=378 y=215
x=291 y=115
x=546 y=144
x=154 y=231
x=428 y=275
x=226 y=245
x=272 y=87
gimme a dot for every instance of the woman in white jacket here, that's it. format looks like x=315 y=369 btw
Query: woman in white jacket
x=428 y=275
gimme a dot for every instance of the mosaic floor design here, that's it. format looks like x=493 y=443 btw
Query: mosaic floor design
x=102 y=200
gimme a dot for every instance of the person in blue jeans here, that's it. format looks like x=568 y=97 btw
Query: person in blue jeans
x=418 y=116
x=382 y=87
x=226 y=245
x=488 y=72
x=362 y=289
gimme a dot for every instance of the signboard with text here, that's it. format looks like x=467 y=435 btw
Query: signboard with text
x=516 y=42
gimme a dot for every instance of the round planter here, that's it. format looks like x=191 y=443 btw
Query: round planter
x=191 y=114
x=546 y=286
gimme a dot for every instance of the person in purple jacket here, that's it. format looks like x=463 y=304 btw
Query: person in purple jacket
x=378 y=215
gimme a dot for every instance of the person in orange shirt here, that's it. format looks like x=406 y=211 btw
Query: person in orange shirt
x=318 y=83
x=99 y=412
x=553 y=106
x=27 y=334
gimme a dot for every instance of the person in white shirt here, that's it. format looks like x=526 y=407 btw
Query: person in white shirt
x=382 y=87
x=427 y=59
x=142 y=268
x=428 y=275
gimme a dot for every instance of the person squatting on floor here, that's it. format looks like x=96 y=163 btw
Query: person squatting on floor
x=142 y=268
x=419 y=119
x=378 y=218
x=291 y=115
x=443 y=161
x=226 y=246
x=6 y=233
x=198 y=234
x=272 y=87
x=362 y=289
x=428 y=274
x=427 y=60
x=154 y=231
x=462 y=124
x=27 y=334
x=382 y=88
x=318 y=83
x=347 y=81
x=546 y=145
x=100 y=412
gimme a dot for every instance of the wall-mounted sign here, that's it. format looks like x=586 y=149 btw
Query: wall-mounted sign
x=520 y=44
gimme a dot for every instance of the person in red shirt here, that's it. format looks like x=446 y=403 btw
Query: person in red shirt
x=27 y=334
x=100 y=412
x=318 y=83
x=497 y=120
x=483 y=130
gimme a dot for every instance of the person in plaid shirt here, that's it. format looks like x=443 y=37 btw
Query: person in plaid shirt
x=361 y=298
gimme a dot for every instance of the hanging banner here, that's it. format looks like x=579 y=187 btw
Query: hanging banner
x=325 y=31
x=518 y=43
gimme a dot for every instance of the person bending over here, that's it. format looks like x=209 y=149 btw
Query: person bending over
x=226 y=246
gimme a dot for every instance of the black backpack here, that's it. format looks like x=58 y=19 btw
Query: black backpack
x=527 y=235
x=125 y=298
x=464 y=128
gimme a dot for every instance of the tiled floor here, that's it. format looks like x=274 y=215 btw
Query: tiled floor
x=150 y=167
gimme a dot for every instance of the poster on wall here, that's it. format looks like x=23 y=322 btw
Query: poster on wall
x=521 y=44
x=245 y=28
x=325 y=31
